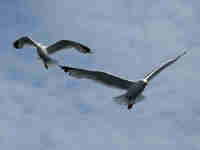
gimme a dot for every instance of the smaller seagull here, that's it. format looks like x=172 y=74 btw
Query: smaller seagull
x=133 y=89
x=44 y=51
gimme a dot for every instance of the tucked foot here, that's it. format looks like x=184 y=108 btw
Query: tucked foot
x=130 y=106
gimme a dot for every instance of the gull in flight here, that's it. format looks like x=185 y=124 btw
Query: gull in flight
x=133 y=89
x=44 y=51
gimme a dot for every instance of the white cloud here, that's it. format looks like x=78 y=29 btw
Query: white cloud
x=42 y=109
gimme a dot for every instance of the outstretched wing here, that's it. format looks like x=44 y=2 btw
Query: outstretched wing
x=98 y=76
x=65 y=44
x=19 y=43
x=156 y=71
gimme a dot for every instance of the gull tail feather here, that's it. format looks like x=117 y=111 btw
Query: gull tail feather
x=121 y=99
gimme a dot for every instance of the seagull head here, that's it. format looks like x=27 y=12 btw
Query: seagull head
x=144 y=82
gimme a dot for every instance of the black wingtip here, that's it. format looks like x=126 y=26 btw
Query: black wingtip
x=46 y=66
x=62 y=67
x=90 y=52
x=65 y=68
x=184 y=53
x=86 y=49
x=16 y=44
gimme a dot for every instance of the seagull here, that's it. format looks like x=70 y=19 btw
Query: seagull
x=133 y=89
x=44 y=51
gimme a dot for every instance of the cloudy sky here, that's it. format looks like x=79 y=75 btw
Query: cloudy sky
x=46 y=110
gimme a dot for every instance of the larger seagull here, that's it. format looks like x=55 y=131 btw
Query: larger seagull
x=44 y=51
x=133 y=89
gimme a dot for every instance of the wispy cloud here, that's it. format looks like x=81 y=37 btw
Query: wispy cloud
x=42 y=109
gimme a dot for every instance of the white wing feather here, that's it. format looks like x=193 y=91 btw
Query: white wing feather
x=156 y=71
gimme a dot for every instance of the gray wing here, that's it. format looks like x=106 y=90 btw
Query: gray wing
x=98 y=76
x=65 y=44
x=156 y=71
x=19 y=43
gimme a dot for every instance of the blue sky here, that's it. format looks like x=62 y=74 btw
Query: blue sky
x=47 y=110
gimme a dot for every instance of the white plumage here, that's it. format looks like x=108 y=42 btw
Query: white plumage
x=133 y=89
x=44 y=51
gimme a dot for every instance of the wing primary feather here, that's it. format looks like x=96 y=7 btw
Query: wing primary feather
x=25 y=40
x=156 y=71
